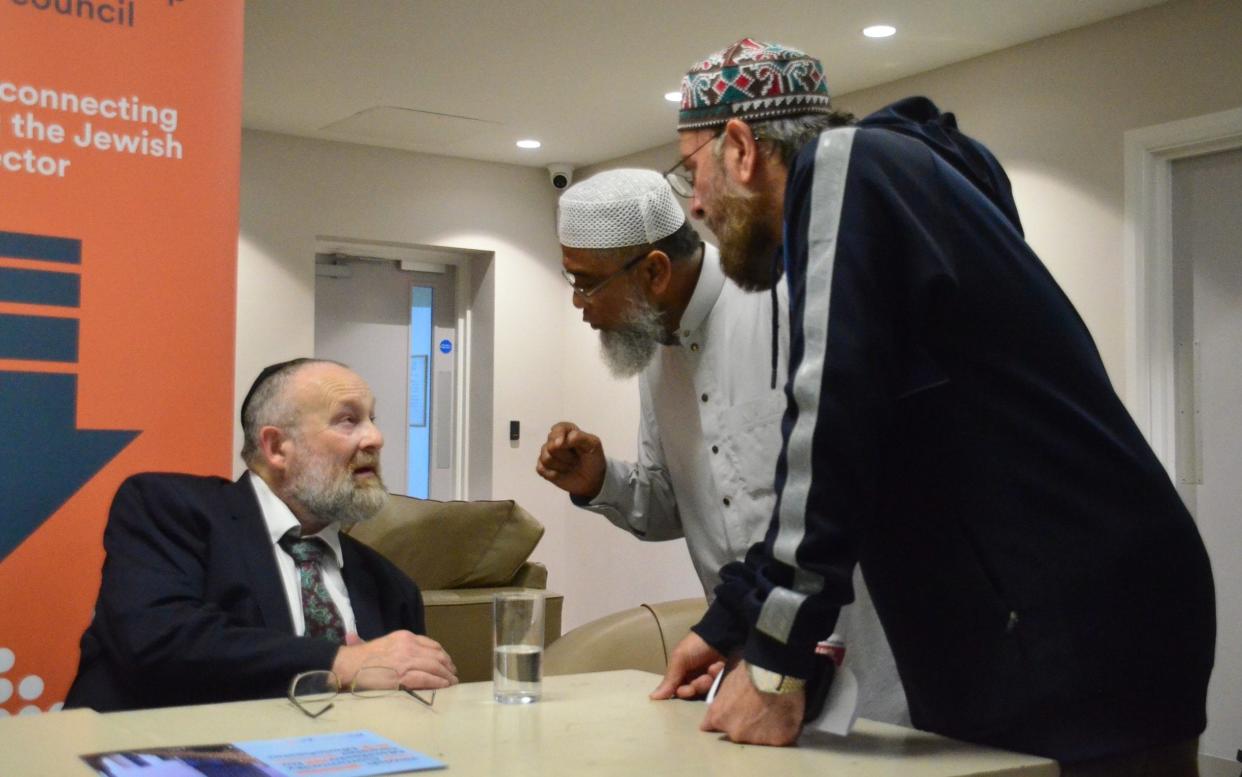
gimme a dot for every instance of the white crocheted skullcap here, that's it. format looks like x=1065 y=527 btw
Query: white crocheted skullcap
x=616 y=209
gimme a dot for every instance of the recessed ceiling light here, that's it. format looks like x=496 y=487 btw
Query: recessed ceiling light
x=673 y=97
x=879 y=31
x=528 y=144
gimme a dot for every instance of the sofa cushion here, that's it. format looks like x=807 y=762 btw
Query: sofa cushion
x=452 y=544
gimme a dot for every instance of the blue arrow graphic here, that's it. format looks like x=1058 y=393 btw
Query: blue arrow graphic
x=44 y=458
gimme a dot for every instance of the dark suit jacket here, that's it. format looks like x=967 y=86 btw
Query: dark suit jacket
x=191 y=607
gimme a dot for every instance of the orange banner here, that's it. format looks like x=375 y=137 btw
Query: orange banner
x=119 y=163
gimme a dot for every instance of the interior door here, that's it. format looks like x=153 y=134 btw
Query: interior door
x=1207 y=269
x=371 y=315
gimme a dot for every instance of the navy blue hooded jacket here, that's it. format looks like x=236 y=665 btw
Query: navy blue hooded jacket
x=951 y=427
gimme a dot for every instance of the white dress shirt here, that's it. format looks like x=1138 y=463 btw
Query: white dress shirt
x=710 y=430
x=280 y=520
x=708 y=442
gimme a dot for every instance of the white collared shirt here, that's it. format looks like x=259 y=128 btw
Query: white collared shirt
x=710 y=431
x=280 y=519
x=707 y=448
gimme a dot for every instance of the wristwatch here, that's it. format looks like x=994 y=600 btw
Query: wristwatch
x=767 y=681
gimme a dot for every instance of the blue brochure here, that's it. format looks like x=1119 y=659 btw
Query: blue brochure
x=352 y=754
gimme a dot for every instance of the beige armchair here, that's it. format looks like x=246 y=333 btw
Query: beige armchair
x=640 y=638
x=460 y=553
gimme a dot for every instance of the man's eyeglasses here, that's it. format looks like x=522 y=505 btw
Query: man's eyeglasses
x=585 y=292
x=313 y=692
x=681 y=179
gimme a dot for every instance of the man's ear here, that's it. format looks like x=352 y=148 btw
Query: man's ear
x=657 y=272
x=741 y=151
x=274 y=445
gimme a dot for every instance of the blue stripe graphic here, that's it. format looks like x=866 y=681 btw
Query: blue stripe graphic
x=19 y=245
x=38 y=287
x=38 y=338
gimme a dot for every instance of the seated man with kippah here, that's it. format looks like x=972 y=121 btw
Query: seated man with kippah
x=218 y=591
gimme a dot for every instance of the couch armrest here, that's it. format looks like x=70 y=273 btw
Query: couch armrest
x=640 y=638
x=532 y=574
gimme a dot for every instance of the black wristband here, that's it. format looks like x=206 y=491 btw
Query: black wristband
x=817 y=686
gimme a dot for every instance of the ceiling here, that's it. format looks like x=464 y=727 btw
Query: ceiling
x=468 y=78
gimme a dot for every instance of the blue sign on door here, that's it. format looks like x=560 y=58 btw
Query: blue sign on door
x=446 y=346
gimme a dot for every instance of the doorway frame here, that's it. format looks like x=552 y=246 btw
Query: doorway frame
x=429 y=258
x=1148 y=263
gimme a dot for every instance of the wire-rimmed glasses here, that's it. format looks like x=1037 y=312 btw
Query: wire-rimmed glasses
x=586 y=293
x=681 y=179
x=313 y=692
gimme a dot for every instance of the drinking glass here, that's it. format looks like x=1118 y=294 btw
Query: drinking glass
x=517 y=646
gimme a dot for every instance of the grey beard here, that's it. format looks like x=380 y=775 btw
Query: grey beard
x=336 y=500
x=628 y=349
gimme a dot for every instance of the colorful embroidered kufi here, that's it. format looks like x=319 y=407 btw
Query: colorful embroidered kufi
x=616 y=209
x=752 y=81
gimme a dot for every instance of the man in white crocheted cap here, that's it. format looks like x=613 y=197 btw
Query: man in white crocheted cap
x=710 y=421
x=632 y=260
x=711 y=412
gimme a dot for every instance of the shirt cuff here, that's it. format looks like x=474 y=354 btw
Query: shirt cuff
x=610 y=492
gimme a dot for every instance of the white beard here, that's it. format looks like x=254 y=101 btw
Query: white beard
x=333 y=496
x=628 y=349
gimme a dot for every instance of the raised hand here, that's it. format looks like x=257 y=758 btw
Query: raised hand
x=572 y=460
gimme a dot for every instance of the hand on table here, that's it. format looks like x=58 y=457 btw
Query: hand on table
x=692 y=667
x=420 y=662
x=747 y=716
x=572 y=460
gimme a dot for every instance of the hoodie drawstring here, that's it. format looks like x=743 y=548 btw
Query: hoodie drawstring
x=776 y=259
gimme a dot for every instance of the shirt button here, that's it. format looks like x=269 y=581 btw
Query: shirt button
x=694 y=346
x=726 y=501
x=704 y=397
x=715 y=449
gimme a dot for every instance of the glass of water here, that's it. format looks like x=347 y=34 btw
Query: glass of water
x=517 y=646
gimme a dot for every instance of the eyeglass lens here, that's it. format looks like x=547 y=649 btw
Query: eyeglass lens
x=313 y=692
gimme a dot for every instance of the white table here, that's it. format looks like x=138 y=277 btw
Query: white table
x=589 y=724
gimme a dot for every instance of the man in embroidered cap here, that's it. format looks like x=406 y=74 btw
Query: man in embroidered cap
x=218 y=591
x=952 y=430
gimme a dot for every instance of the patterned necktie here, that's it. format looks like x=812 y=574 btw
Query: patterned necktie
x=323 y=620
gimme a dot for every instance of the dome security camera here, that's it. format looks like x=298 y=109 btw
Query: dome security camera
x=561 y=175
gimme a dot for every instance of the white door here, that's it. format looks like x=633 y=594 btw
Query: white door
x=1207 y=268
x=364 y=312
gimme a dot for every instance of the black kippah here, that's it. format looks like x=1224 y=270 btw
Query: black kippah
x=267 y=374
